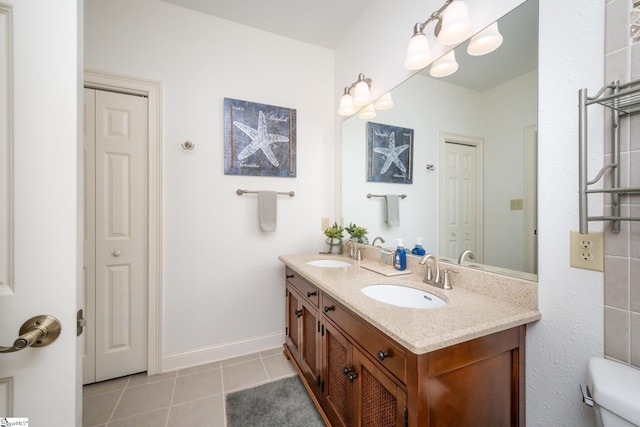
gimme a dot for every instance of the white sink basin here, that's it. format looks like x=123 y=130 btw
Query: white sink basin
x=403 y=296
x=328 y=263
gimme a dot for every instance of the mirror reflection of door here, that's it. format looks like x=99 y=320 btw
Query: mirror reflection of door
x=461 y=187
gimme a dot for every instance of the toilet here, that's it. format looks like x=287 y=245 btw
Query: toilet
x=615 y=390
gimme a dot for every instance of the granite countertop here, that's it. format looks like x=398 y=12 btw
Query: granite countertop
x=471 y=311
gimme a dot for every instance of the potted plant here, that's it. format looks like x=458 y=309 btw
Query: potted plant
x=334 y=237
x=358 y=234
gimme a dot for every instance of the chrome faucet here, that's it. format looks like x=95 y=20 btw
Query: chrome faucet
x=429 y=277
x=354 y=251
x=376 y=239
x=464 y=253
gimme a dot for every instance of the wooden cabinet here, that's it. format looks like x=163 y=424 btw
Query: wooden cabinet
x=303 y=329
x=358 y=376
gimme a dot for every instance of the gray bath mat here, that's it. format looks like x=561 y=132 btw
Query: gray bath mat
x=277 y=404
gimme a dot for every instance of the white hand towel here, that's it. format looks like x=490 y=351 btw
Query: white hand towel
x=268 y=210
x=392 y=209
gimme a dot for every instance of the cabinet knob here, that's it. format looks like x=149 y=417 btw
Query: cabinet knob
x=346 y=370
x=328 y=308
x=352 y=377
x=289 y=276
x=298 y=313
x=310 y=294
x=382 y=355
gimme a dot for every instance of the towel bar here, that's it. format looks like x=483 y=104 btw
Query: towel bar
x=402 y=196
x=240 y=192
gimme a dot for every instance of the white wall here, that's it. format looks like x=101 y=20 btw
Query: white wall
x=222 y=282
x=570 y=300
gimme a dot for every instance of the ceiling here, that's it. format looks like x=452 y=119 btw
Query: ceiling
x=322 y=23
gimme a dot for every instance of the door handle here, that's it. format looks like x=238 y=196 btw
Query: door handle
x=36 y=332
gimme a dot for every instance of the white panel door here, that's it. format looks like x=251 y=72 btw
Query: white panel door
x=39 y=95
x=460 y=208
x=118 y=279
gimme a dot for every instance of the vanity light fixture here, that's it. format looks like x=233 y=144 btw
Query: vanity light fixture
x=485 y=41
x=453 y=26
x=349 y=103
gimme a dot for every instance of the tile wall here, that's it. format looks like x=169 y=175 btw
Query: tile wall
x=622 y=250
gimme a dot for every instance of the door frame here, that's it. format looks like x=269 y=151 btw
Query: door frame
x=94 y=79
x=478 y=143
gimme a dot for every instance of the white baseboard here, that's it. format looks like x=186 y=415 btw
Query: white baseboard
x=203 y=355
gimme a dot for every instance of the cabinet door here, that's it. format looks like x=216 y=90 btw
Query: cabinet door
x=337 y=363
x=380 y=401
x=293 y=325
x=309 y=347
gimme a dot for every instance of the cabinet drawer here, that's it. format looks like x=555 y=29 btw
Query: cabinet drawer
x=375 y=343
x=305 y=288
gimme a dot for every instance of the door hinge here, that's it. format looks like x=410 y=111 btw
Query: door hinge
x=81 y=322
x=406 y=417
x=286 y=331
x=318 y=326
x=322 y=386
x=322 y=330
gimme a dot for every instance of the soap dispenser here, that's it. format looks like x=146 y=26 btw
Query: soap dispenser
x=400 y=257
x=418 y=250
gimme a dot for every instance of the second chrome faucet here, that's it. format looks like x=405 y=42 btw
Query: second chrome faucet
x=433 y=276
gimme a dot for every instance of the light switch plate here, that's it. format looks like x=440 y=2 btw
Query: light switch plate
x=587 y=250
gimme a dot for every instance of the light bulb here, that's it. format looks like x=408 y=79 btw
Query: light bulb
x=418 y=52
x=444 y=66
x=456 y=25
x=367 y=112
x=346 y=105
x=384 y=102
x=361 y=95
x=485 y=41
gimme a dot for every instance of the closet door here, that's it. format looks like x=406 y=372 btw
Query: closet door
x=120 y=233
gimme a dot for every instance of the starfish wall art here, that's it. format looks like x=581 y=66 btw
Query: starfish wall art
x=389 y=153
x=259 y=139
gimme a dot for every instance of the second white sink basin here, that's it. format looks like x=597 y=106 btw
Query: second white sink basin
x=403 y=296
x=328 y=263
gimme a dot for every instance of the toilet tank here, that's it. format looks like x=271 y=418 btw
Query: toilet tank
x=615 y=389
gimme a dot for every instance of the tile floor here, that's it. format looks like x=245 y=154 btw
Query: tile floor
x=191 y=397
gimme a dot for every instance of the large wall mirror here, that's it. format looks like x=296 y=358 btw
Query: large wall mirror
x=473 y=175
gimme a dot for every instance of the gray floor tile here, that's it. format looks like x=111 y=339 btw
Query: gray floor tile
x=151 y=419
x=272 y=352
x=105 y=387
x=97 y=410
x=144 y=398
x=196 y=386
x=143 y=378
x=278 y=366
x=201 y=368
x=240 y=359
x=243 y=375
x=207 y=412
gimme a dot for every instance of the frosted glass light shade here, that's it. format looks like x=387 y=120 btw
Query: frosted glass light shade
x=456 y=25
x=346 y=105
x=485 y=41
x=367 y=112
x=444 y=66
x=384 y=102
x=361 y=95
x=418 y=52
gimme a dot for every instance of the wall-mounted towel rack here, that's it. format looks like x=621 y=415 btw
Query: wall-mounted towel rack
x=622 y=99
x=240 y=192
x=402 y=196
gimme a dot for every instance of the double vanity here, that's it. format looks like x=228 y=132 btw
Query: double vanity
x=389 y=350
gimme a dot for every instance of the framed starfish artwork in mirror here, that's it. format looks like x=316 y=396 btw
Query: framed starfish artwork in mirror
x=389 y=154
x=259 y=139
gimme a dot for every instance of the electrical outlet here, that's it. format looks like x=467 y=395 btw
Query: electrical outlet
x=587 y=250
x=324 y=224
